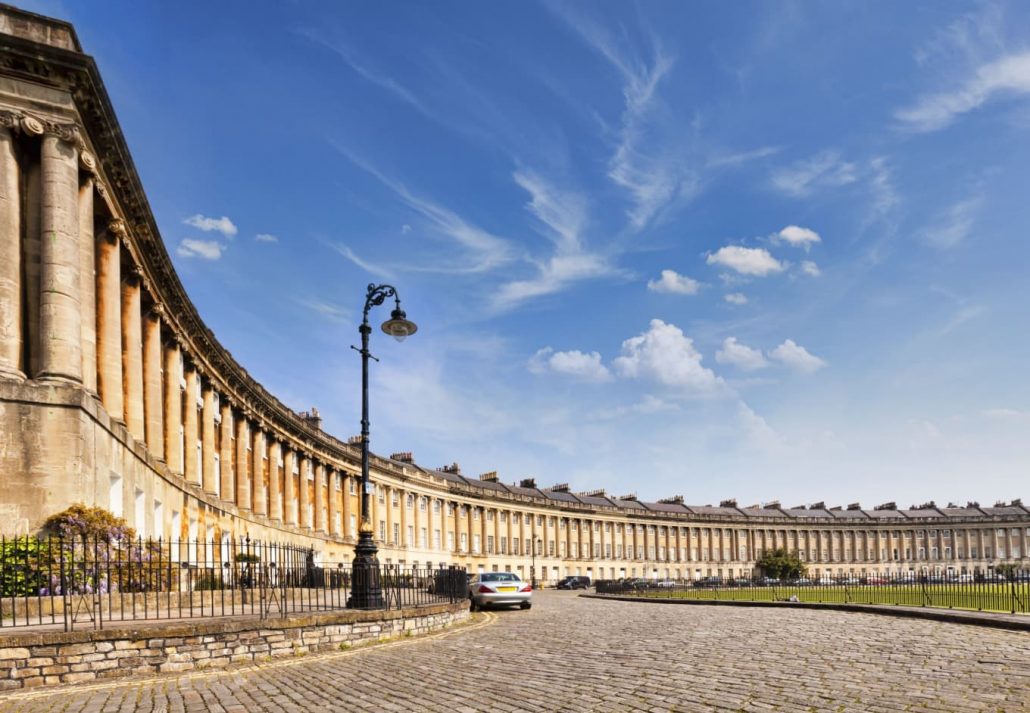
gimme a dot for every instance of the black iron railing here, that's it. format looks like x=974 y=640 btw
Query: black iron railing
x=980 y=592
x=91 y=582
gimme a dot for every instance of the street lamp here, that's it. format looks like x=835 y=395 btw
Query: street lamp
x=367 y=592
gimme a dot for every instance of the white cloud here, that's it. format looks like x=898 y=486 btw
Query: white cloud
x=740 y=355
x=665 y=354
x=587 y=367
x=758 y=434
x=642 y=164
x=673 y=283
x=954 y=226
x=363 y=264
x=562 y=215
x=487 y=251
x=747 y=261
x=328 y=310
x=1004 y=413
x=266 y=238
x=797 y=357
x=204 y=249
x=810 y=268
x=405 y=229
x=798 y=237
x=824 y=170
x=222 y=225
x=1006 y=75
x=736 y=298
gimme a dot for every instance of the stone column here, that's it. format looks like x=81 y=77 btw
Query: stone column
x=191 y=427
x=132 y=355
x=153 y=415
x=260 y=504
x=289 y=489
x=60 y=319
x=275 y=496
x=305 y=493
x=348 y=505
x=109 y=322
x=207 y=444
x=88 y=280
x=12 y=332
x=242 y=465
x=332 y=478
x=320 y=524
x=227 y=475
x=173 y=407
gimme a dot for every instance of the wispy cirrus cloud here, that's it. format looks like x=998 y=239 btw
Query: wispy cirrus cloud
x=826 y=169
x=561 y=216
x=641 y=163
x=953 y=226
x=1006 y=76
x=484 y=250
x=368 y=267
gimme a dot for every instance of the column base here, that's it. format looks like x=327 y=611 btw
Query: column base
x=62 y=379
x=11 y=373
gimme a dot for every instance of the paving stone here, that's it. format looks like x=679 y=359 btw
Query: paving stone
x=573 y=654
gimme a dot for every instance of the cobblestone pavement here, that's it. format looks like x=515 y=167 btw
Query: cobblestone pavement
x=572 y=654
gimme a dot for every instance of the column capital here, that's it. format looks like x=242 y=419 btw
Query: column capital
x=116 y=230
x=155 y=311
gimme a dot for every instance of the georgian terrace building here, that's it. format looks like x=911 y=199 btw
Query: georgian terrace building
x=113 y=392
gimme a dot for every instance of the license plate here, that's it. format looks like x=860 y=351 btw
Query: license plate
x=506 y=589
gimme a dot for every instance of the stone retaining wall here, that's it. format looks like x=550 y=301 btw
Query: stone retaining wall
x=51 y=658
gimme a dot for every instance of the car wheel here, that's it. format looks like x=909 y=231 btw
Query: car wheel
x=525 y=605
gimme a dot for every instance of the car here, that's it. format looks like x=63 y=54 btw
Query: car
x=499 y=589
x=708 y=583
x=574 y=582
x=665 y=583
x=824 y=580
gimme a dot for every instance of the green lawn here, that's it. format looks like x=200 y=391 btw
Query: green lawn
x=977 y=597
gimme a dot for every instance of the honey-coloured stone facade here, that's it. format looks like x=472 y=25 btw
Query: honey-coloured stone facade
x=113 y=392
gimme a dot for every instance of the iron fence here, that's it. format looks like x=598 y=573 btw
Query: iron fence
x=90 y=582
x=980 y=592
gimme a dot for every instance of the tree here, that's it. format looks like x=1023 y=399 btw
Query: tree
x=782 y=564
x=1008 y=571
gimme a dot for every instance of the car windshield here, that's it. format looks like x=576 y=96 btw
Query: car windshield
x=498 y=577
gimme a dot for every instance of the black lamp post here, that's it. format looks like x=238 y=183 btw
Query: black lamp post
x=367 y=592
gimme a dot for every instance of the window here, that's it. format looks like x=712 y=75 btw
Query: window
x=381 y=494
x=450 y=541
x=411 y=536
x=115 y=494
x=396 y=533
x=351 y=485
x=475 y=513
x=353 y=525
x=489 y=544
x=422 y=503
x=464 y=542
x=382 y=530
x=395 y=498
x=515 y=545
x=424 y=538
x=436 y=507
x=476 y=540
x=489 y=515
x=140 y=512
x=159 y=519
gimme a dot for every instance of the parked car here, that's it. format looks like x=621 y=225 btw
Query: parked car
x=574 y=582
x=708 y=583
x=499 y=589
x=825 y=580
x=665 y=583
x=766 y=581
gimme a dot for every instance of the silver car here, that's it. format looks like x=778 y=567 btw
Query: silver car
x=499 y=589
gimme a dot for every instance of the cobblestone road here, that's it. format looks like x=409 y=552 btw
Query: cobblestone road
x=572 y=654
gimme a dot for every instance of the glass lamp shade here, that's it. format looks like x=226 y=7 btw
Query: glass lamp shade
x=399 y=326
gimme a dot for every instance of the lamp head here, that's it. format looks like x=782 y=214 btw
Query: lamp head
x=399 y=326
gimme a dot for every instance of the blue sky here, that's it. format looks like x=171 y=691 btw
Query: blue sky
x=752 y=250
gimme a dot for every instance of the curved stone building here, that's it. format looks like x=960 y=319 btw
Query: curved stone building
x=113 y=392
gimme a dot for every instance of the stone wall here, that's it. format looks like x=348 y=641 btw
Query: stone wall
x=51 y=658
